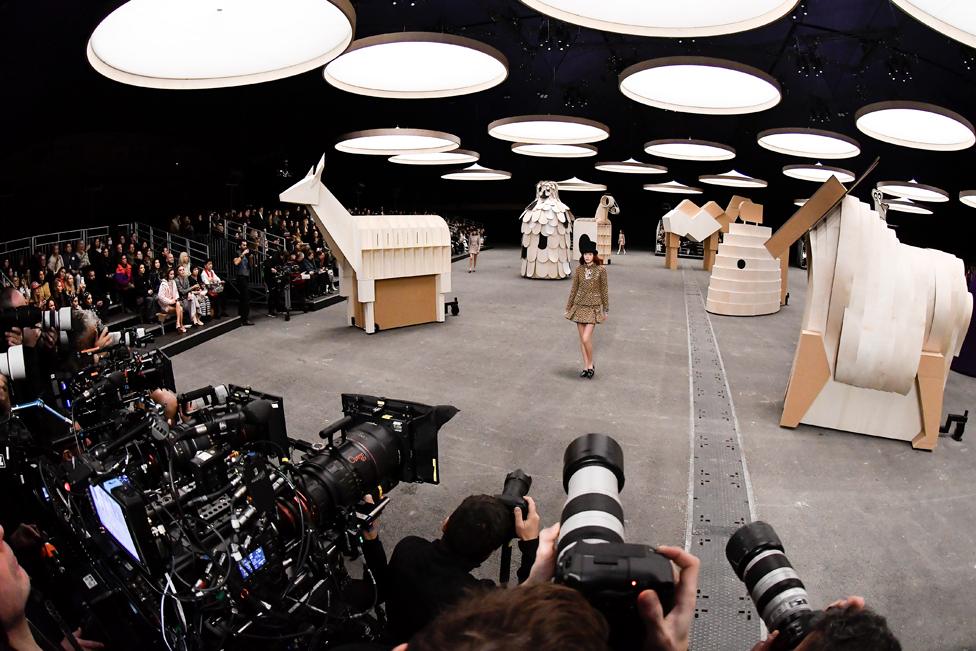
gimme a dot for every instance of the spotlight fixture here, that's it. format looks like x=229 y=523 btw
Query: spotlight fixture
x=733 y=179
x=907 y=205
x=800 y=202
x=579 y=185
x=954 y=19
x=553 y=151
x=968 y=197
x=477 y=173
x=549 y=130
x=454 y=157
x=675 y=20
x=672 y=187
x=809 y=143
x=390 y=142
x=417 y=65
x=700 y=150
x=818 y=173
x=190 y=44
x=630 y=166
x=700 y=85
x=913 y=190
x=917 y=125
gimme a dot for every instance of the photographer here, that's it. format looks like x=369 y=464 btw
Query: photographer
x=242 y=272
x=845 y=625
x=272 y=267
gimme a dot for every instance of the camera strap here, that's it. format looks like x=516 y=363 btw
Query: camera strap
x=505 y=563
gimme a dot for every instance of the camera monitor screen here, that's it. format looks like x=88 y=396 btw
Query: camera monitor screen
x=112 y=515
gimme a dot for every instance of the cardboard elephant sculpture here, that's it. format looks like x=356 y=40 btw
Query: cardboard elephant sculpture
x=598 y=228
x=697 y=224
x=394 y=269
x=547 y=226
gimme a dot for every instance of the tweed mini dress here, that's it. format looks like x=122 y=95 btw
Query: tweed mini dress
x=589 y=299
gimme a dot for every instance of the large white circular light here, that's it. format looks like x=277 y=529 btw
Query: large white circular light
x=579 y=185
x=700 y=85
x=416 y=65
x=700 y=150
x=907 y=205
x=733 y=179
x=809 y=143
x=672 y=187
x=818 y=173
x=454 y=157
x=917 y=125
x=390 y=142
x=954 y=18
x=553 y=151
x=477 y=173
x=186 y=44
x=674 y=19
x=549 y=129
x=913 y=190
x=631 y=166
x=968 y=197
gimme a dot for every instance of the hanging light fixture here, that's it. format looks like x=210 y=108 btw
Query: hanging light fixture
x=477 y=173
x=800 y=202
x=676 y=20
x=549 y=129
x=733 y=179
x=907 y=205
x=954 y=19
x=913 y=190
x=553 y=151
x=390 y=142
x=700 y=85
x=417 y=65
x=672 y=187
x=808 y=143
x=454 y=157
x=917 y=125
x=700 y=150
x=818 y=173
x=188 y=44
x=579 y=185
x=630 y=166
x=968 y=197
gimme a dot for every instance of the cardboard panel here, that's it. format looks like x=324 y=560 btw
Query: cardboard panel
x=405 y=301
x=751 y=213
x=816 y=208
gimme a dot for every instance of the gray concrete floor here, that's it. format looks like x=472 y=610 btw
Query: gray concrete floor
x=859 y=515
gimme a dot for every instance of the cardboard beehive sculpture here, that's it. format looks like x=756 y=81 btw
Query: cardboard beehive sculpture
x=394 y=269
x=690 y=221
x=746 y=280
x=882 y=322
x=547 y=226
x=598 y=228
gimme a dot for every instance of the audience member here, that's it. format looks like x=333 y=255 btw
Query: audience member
x=242 y=271
x=168 y=298
x=188 y=295
x=215 y=289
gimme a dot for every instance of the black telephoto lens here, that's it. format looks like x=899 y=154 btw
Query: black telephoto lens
x=514 y=490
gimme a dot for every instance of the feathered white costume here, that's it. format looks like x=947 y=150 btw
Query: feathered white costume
x=547 y=227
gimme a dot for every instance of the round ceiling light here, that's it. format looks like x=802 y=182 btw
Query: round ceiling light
x=631 y=166
x=733 y=179
x=417 y=65
x=549 y=129
x=187 y=44
x=907 y=205
x=390 y=142
x=968 y=197
x=477 y=173
x=672 y=187
x=917 y=125
x=553 y=151
x=454 y=157
x=818 y=173
x=700 y=85
x=809 y=143
x=642 y=18
x=700 y=150
x=913 y=190
x=800 y=202
x=579 y=185
x=954 y=19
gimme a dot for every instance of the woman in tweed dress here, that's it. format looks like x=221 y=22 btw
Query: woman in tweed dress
x=589 y=300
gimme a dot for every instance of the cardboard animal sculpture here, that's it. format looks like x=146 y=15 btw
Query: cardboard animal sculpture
x=546 y=230
x=394 y=270
x=598 y=228
x=690 y=221
x=882 y=322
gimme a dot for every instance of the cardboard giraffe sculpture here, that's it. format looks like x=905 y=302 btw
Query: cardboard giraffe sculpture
x=881 y=325
x=547 y=225
x=598 y=228
x=394 y=270
x=697 y=224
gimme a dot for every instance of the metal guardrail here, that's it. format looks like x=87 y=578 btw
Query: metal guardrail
x=235 y=230
x=160 y=238
x=31 y=245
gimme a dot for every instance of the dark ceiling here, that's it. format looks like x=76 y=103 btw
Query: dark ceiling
x=79 y=148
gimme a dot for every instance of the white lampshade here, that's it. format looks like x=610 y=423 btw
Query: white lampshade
x=188 y=44
x=390 y=142
x=809 y=143
x=818 y=173
x=913 y=190
x=454 y=157
x=631 y=166
x=416 y=65
x=907 y=205
x=733 y=179
x=968 y=197
x=700 y=150
x=800 y=202
x=954 y=18
x=553 y=151
x=579 y=185
x=700 y=85
x=477 y=173
x=917 y=125
x=672 y=19
x=672 y=187
x=548 y=129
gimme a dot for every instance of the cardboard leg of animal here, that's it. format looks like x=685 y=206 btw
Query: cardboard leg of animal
x=440 y=298
x=784 y=267
x=352 y=300
x=369 y=324
x=810 y=374
x=931 y=385
x=711 y=248
x=671 y=251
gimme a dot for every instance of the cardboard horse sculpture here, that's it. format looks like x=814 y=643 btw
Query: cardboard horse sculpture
x=598 y=228
x=394 y=270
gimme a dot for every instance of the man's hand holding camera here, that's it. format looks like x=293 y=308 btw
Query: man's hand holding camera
x=527 y=528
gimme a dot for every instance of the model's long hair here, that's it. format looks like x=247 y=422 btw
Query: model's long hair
x=596 y=259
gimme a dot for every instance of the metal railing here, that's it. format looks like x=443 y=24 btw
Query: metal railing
x=235 y=230
x=30 y=245
x=160 y=238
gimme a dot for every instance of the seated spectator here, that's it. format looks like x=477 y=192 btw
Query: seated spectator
x=168 y=298
x=40 y=289
x=143 y=291
x=22 y=289
x=123 y=281
x=203 y=299
x=214 y=287
x=185 y=263
x=72 y=261
x=189 y=295
x=55 y=261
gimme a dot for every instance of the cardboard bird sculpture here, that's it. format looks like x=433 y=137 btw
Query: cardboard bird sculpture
x=547 y=227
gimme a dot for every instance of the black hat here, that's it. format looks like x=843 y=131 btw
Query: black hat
x=586 y=245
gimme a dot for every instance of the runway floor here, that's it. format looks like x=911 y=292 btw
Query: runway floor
x=859 y=515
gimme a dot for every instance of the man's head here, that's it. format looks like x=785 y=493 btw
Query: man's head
x=41 y=276
x=10 y=297
x=479 y=526
x=86 y=330
x=55 y=250
x=850 y=629
x=67 y=248
x=14 y=587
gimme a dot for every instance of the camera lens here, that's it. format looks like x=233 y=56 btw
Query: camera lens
x=593 y=476
x=12 y=363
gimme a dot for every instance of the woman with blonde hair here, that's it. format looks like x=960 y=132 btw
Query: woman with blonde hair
x=185 y=262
